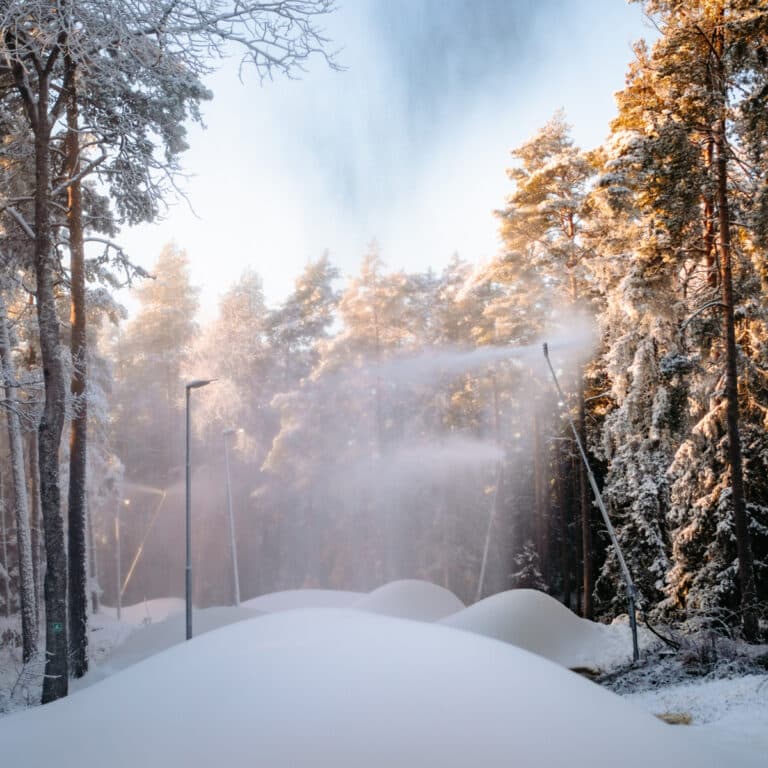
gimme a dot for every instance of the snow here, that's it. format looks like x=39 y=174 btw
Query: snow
x=349 y=688
x=147 y=612
x=732 y=711
x=113 y=649
x=319 y=678
x=291 y=599
x=538 y=623
x=410 y=599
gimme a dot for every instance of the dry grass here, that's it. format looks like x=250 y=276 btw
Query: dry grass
x=675 y=718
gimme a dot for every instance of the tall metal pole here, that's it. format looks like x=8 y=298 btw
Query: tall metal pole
x=630 y=585
x=232 y=543
x=188 y=507
x=188 y=519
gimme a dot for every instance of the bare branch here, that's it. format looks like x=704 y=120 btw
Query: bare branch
x=21 y=221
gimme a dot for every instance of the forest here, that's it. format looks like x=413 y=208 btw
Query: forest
x=390 y=424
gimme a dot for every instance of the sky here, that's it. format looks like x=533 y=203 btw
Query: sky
x=407 y=145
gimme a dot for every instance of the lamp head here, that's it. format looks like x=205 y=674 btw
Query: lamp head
x=197 y=383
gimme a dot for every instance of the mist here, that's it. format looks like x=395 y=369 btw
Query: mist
x=408 y=144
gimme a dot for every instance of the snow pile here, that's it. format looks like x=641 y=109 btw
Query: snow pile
x=410 y=599
x=143 y=642
x=538 y=623
x=292 y=599
x=346 y=689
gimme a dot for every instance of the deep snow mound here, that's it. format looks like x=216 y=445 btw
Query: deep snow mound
x=153 y=638
x=538 y=623
x=410 y=599
x=291 y=599
x=345 y=689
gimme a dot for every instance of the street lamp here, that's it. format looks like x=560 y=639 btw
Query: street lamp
x=189 y=386
x=232 y=546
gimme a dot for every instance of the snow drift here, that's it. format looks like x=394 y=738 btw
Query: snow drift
x=291 y=599
x=348 y=689
x=410 y=599
x=538 y=623
x=156 y=637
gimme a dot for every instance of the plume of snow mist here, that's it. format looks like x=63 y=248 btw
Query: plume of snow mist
x=572 y=337
x=415 y=463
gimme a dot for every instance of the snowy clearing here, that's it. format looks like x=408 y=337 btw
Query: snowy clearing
x=389 y=691
x=346 y=688
x=734 y=711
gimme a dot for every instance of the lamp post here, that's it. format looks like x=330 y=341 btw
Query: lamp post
x=189 y=386
x=232 y=545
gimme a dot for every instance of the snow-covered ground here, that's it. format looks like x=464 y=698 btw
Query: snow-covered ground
x=732 y=712
x=347 y=689
x=147 y=612
x=402 y=676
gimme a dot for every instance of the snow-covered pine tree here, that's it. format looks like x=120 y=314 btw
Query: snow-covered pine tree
x=641 y=361
x=544 y=263
x=20 y=501
x=526 y=573
x=686 y=97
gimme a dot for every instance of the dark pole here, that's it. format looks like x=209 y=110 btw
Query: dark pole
x=188 y=566
x=232 y=538
x=630 y=585
x=188 y=508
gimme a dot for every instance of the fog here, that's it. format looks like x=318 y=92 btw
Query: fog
x=356 y=466
x=357 y=477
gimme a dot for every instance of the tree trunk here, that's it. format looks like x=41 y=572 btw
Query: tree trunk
x=78 y=575
x=55 y=683
x=565 y=538
x=586 y=515
x=38 y=539
x=743 y=543
x=6 y=568
x=29 y=628
x=708 y=234
x=93 y=564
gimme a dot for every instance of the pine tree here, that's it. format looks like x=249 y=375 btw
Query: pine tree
x=545 y=259
x=683 y=101
x=302 y=322
x=148 y=426
x=27 y=595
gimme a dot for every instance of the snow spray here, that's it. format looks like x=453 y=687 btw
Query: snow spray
x=630 y=585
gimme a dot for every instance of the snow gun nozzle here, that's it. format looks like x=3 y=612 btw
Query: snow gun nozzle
x=545 y=347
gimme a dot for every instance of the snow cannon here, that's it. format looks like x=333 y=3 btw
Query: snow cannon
x=629 y=583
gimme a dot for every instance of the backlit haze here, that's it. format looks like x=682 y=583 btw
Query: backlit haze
x=407 y=145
